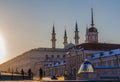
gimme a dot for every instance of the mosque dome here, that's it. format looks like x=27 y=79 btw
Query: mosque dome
x=86 y=66
x=92 y=29
x=68 y=46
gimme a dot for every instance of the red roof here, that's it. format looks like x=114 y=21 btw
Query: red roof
x=98 y=46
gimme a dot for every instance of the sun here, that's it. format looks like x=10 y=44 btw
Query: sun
x=2 y=49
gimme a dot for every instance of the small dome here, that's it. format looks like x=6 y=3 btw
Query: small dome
x=70 y=45
x=92 y=29
x=86 y=66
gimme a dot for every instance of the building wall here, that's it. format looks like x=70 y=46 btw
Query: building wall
x=34 y=60
x=55 y=70
x=107 y=72
x=112 y=60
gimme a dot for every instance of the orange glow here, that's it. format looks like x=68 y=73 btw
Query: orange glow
x=2 y=49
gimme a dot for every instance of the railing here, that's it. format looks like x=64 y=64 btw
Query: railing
x=14 y=76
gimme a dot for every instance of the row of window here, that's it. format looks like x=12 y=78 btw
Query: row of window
x=53 y=56
x=59 y=71
x=106 y=63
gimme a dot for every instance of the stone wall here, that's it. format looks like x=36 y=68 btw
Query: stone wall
x=101 y=74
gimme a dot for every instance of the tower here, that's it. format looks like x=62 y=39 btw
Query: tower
x=65 y=38
x=91 y=33
x=53 y=38
x=76 y=34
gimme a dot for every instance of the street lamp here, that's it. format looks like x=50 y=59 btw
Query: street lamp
x=65 y=75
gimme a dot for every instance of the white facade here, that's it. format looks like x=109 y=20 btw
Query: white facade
x=34 y=60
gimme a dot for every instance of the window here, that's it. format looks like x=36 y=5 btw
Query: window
x=46 y=57
x=109 y=63
x=110 y=52
x=63 y=56
x=114 y=62
x=58 y=56
x=52 y=56
x=93 y=37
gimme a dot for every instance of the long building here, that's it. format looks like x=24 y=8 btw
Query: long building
x=34 y=60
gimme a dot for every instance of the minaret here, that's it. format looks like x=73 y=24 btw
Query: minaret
x=53 y=38
x=86 y=29
x=86 y=33
x=91 y=33
x=65 y=39
x=76 y=34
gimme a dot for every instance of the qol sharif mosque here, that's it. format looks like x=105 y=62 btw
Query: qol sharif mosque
x=55 y=61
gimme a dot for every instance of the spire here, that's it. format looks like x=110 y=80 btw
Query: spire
x=53 y=29
x=76 y=34
x=76 y=26
x=53 y=38
x=91 y=33
x=87 y=32
x=65 y=38
x=65 y=35
x=86 y=28
x=92 y=19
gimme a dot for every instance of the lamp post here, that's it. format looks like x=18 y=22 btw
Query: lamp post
x=12 y=74
x=65 y=75
x=0 y=74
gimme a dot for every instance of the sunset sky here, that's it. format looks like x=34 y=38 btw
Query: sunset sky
x=27 y=24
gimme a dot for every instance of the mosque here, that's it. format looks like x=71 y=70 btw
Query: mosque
x=67 y=60
x=105 y=57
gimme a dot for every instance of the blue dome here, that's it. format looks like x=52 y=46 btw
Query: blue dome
x=86 y=66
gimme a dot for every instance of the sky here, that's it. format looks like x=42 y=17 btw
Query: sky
x=27 y=24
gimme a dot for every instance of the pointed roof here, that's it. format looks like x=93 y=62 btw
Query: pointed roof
x=76 y=26
x=86 y=28
x=92 y=18
x=53 y=29
x=65 y=34
x=92 y=28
